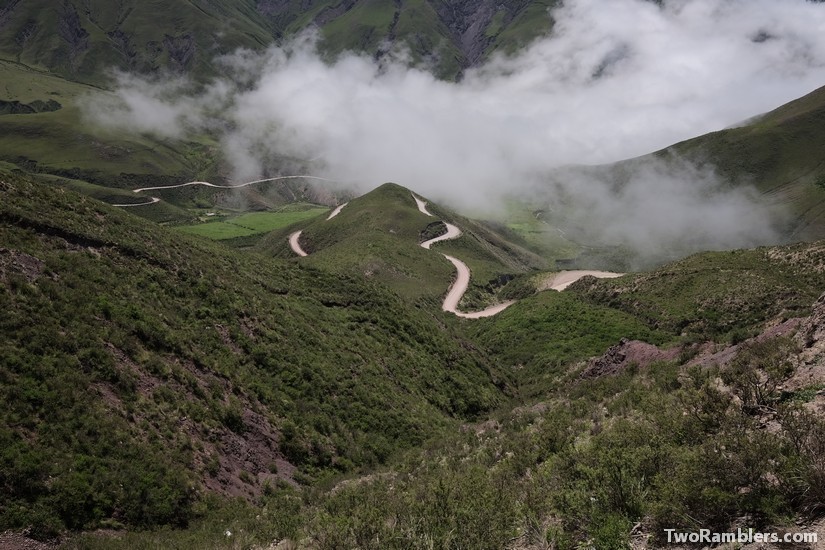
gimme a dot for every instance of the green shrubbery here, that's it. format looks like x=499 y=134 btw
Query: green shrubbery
x=134 y=347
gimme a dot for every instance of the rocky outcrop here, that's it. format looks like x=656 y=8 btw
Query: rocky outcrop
x=13 y=262
x=271 y=7
x=468 y=22
x=71 y=31
x=25 y=33
x=811 y=335
x=5 y=12
x=331 y=13
x=36 y=106
x=181 y=50
x=810 y=362
x=626 y=353
x=123 y=44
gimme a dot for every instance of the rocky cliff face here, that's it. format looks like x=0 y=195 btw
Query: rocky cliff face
x=73 y=34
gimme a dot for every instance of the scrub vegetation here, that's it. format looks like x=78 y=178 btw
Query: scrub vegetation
x=174 y=389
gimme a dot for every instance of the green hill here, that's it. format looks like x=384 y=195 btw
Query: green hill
x=81 y=41
x=377 y=236
x=148 y=375
x=142 y=369
x=782 y=153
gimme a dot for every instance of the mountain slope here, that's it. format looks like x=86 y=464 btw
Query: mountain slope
x=782 y=153
x=83 y=40
x=141 y=369
x=377 y=236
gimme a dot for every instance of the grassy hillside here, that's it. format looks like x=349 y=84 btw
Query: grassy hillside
x=147 y=375
x=596 y=457
x=721 y=297
x=59 y=147
x=377 y=236
x=781 y=153
x=142 y=369
x=82 y=40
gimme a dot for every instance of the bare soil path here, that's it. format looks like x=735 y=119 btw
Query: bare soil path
x=294 y=238
x=295 y=245
x=566 y=278
x=459 y=287
x=207 y=184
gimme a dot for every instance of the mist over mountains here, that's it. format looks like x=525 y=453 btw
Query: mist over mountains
x=204 y=344
x=612 y=81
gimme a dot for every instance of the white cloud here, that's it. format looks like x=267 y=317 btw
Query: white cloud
x=614 y=80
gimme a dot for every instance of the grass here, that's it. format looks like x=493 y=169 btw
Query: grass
x=536 y=227
x=377 y=236
x=126 y=328
x=179 y=36
x=253 y=223
x=540 y=336
x=148 y=33
x=525 y=26
x=131 y=353
x=779 y=153
x=711 y=295
x=63 y=144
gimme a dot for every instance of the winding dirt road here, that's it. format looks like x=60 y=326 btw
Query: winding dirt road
x=127 y=205
x=559 y=282
x=207 y=184
x=452 y=233
x=462 y=282
x=294 y=243
x=336 y=211
x=155 y=200
x=422 y=206
x=566 y=278
x=456 y=291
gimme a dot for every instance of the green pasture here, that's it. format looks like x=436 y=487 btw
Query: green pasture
x=254 y=222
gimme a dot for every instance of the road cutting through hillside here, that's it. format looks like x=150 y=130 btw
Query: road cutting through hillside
x=207 y=184
x=462 y=282
x=559 y=282
x=155 y=200
x=294 y=243
x=459 y=287
x=563 y=279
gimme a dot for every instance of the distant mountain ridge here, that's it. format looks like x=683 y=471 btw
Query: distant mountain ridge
x=80 y=40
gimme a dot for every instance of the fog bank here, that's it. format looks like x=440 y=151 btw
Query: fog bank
x=614 y=80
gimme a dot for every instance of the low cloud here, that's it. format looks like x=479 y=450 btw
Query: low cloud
x=614 y=80
x=662 y=209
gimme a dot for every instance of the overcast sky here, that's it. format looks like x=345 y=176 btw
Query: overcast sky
x=615 y=79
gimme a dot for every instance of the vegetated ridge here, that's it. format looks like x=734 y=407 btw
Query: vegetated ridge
x=377 y=236
x=143 y=369
x=230 y=373
x=80 y=41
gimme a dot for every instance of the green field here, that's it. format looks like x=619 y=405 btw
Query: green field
x=254 y=222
